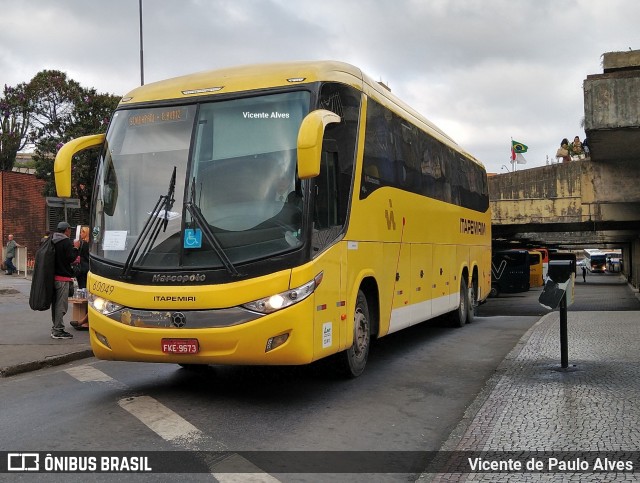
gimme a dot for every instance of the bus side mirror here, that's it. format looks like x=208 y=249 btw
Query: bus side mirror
x=310 y=138
x=62 y=164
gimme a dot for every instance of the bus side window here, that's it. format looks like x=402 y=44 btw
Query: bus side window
x=326 y=202
x=327 y=222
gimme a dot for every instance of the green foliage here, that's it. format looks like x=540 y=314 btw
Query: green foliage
x=63 y=110
x=47 y=112
x=15 y=105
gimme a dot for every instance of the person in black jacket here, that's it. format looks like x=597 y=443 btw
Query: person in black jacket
x=65 y=255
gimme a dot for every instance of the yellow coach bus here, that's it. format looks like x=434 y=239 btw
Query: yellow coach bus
x=276 y=214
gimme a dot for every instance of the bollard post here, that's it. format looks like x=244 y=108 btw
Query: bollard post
x=558 y=292
x=564 y=339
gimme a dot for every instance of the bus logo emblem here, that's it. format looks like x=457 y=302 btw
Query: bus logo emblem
x=497 y=272
x=388 y=214
x=178 y=320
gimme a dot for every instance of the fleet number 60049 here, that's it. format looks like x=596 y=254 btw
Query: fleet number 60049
x=101 y=287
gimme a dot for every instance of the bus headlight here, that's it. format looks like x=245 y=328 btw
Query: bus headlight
x=103 y=306
x=282 y=300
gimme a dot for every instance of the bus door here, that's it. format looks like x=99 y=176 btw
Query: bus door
x=331 y=320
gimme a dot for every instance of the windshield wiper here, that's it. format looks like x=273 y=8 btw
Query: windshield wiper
x=201 y=222
x=158 y=220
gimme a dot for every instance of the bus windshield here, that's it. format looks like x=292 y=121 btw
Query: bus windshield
x=235 y=195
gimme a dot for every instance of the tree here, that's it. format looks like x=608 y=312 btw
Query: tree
x=63 y=110
x=15 y=105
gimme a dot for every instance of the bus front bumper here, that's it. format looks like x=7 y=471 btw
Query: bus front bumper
x=284 y=337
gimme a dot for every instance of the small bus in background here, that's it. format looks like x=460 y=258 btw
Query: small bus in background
x=510 y=272
x=595 y=260
x=536 y=277
x=545 y=260
x=614 y=260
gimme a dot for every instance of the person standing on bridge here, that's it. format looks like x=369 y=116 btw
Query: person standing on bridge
x=563 y=151
x=576 y=148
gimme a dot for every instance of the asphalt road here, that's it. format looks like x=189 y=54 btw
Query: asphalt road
x=593 y=295
x=414 y=391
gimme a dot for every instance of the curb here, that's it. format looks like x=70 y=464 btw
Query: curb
x=47 y=362
x=476 y=405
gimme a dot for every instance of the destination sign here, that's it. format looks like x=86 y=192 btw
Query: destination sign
x=155 y=116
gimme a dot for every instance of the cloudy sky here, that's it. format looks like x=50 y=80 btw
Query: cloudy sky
x=485 y=71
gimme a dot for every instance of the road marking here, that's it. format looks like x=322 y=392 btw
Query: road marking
x=162 y=420
x=245 y=477
x=87 y=373
x=173 y=428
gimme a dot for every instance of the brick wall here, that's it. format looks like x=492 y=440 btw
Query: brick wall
x=23 y=209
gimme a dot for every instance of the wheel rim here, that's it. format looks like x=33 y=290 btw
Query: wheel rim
x=361 y=334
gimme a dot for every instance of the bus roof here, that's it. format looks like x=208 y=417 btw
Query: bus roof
x=265 y=76
x=593 y=251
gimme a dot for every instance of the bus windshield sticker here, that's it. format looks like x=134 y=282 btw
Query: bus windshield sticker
x=114 y=240
x=327 y=335
x=192 y=238
x=170 y=215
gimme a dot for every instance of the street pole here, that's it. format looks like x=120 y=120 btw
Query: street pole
x=141 y=47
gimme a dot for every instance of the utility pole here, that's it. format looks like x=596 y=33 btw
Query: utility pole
x=141 y=47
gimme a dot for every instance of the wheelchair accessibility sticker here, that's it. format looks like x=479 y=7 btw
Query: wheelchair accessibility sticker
x=192 y=238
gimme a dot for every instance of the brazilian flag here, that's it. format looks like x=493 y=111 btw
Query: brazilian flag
x=519 y=148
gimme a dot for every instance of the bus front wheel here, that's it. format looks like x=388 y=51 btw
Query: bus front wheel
x=352 y=361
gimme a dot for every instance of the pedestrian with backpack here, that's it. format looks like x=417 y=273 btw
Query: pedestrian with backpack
x=65 y=254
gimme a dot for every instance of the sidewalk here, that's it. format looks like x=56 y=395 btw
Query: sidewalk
x=532 y=404
x=26 y=342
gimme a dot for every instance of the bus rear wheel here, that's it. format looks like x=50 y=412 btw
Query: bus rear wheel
x=473 y=301
x=459 y=318
x=351 y=362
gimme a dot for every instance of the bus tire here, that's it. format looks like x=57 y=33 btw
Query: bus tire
x=351 y=363
x=495 y=291
x=459 y=318
x=473 y=302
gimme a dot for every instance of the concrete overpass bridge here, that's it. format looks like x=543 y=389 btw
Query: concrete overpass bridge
x=593 y=202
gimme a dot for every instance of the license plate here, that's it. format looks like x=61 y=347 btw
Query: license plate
x=180 y=346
